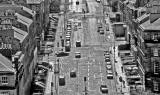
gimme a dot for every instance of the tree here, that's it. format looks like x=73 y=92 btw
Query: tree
x=55 y=6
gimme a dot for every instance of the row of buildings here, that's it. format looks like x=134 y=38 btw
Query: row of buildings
x=142 y=18
x=22 y=22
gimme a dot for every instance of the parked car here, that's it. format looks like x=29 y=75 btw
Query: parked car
x=108 y=63
x=107 y=59
x=109 y=74
x=108 y=66
x=78 y=43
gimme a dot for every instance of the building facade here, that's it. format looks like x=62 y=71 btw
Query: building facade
x=18 y=42
x=141 y=17
x=7 y=77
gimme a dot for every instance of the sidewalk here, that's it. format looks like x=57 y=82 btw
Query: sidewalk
x=122 y=87
x=49 y=84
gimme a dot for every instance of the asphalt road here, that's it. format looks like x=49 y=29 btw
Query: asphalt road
x=91 y=64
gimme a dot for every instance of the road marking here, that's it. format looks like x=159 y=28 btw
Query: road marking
x=88 y=76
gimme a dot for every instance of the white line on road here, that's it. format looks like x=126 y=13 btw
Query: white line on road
x=88 y=77
x=100 y=70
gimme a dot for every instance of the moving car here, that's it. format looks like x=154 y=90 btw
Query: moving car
x=77 y=55
x=107 y=27
x=104 y=88
x=101 y=31
x=62 y=80
x=78 y=43
x=73 y=73
x=107 y=54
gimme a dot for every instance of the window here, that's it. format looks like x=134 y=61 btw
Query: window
x=156 y=67
x=4 y=93
x=4 y=80
x=155 y=37
x=155 y=52
x=155 y=84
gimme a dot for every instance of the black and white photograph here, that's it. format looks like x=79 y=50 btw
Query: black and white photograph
x=79 y=47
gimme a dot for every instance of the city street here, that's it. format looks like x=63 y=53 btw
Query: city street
x=91 y=64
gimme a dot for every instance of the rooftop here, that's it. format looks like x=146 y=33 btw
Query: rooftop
x=18 y=9
x=151 y=26
x=142 y=18
x=5 y=64
x=22 y=19
x=19 y=34
x=34 y=1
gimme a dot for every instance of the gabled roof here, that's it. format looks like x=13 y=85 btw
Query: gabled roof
x=23 y=19
x=34 y=1
x=151 y=26
x=16 y=8
x=5 y=64
x=33 y=13
x=19 y=34
x=142 y=18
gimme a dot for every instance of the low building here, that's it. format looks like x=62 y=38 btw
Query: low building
x=148 y=46
x=7 y=77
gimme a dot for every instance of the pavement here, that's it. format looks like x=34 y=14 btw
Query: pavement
x=122 y=87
